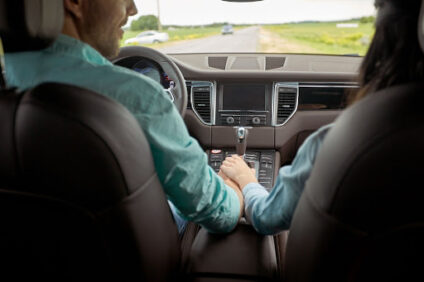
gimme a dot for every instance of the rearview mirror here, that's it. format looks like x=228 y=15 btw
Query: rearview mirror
x=242 y=0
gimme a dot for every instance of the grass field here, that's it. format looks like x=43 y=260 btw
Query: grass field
x=318 y=38
x=179 y=34
x=323 y=38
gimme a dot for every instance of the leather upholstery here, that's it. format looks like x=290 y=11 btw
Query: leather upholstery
x=79 y=195
x=242 y=255
x=30 y=24
x=421 y=27
x=361 y=217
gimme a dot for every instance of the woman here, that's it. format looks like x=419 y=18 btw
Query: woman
x=393 y=58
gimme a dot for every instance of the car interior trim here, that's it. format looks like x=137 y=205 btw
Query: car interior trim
x=275 y=95
x=212 y=87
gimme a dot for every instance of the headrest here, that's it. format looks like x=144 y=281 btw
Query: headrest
x=421 y=26
x=30 y=24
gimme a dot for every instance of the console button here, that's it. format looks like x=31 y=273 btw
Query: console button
x=230 y=120
x=256 y=120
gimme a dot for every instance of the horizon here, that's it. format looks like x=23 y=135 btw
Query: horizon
x=242 y=24
x=206 y=12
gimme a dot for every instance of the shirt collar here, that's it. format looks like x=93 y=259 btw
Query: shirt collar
x=73 y=47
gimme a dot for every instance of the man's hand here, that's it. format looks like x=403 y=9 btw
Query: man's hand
x=236 y=168
x=229 y=182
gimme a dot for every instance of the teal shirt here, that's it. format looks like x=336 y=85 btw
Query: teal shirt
x=191 y=185
x=270 y=213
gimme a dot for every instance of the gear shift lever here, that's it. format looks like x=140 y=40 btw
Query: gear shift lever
x=241 y=144
x=241 y=133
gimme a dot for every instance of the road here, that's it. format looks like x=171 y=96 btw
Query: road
x=243 y=40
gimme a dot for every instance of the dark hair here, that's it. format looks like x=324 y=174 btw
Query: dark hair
x=394 y=56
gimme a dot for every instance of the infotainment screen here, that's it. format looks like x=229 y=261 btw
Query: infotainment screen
x=239 y=97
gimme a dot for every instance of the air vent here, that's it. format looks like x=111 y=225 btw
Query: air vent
x=246 y=63
x=217 y=62
x=188 y=85
x=272 y=63
x=287 y=101
x=201 y=102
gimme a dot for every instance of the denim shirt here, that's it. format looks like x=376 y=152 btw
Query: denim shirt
x=270 y=213
x=190 y=184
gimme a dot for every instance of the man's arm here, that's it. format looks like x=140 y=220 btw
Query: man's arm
x=181 y=164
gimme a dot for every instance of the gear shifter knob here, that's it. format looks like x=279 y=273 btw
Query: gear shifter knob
x=241 y=133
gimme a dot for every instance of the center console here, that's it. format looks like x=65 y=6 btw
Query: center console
x=242 y=255
x=237 y=111
x=263 y=161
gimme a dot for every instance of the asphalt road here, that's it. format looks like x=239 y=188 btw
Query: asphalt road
x=244 y=40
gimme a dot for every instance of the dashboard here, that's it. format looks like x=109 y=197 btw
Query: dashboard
x=260 y=106
x=229 y=103
x=280 y=99
x=263 y=104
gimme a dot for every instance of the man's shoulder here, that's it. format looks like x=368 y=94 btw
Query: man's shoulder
x=138 y=93
x=117 y=76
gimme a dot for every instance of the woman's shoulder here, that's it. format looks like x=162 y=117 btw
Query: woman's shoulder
x=319 y=135
x=312 y=144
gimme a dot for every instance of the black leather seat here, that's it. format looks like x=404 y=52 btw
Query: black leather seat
x=361 y=217
x=79 y=196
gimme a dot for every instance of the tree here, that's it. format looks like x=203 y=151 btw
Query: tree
x=370 y=19
x=145 y=22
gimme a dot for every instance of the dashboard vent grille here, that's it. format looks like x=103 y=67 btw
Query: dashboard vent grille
x=202 y=102
x=188 y=85
x=272 y=63
x=217 y=62
x=287 y=101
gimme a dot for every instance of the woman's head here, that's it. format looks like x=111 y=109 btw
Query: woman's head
x=394 y=56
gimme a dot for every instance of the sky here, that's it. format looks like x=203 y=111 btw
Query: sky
x=198 y=12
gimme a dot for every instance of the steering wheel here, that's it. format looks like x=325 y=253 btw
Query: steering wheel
x=178 y=91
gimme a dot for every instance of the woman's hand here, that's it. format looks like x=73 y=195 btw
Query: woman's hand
x=236 y=168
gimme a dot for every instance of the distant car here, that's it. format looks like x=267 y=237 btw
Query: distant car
x=150 y=36
x=227 y=29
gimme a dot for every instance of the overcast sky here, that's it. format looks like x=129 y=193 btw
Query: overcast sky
x=195 y=12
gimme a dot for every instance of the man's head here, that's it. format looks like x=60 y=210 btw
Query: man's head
x=98 y=22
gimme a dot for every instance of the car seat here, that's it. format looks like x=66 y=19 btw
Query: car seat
x=79 y=196
x=361 y=216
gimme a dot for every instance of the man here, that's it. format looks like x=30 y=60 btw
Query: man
x=92 y=31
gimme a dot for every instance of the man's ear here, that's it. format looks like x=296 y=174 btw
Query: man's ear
x=74 y=7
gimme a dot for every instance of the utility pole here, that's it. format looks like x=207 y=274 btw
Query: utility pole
x=159 y=23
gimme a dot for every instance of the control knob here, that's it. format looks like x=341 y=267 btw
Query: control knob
x=256 y=120
x=230 y=120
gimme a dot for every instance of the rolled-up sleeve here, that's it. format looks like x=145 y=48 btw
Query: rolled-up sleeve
x=199 y=194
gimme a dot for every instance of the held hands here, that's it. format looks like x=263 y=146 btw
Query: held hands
x=237 y=170
x=228 y=180
x=236 y=189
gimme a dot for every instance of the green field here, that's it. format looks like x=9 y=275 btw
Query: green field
x=318 y=38
x=178 y=34
x=325 y=38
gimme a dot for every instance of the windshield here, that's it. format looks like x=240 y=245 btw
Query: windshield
x=335 y=27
